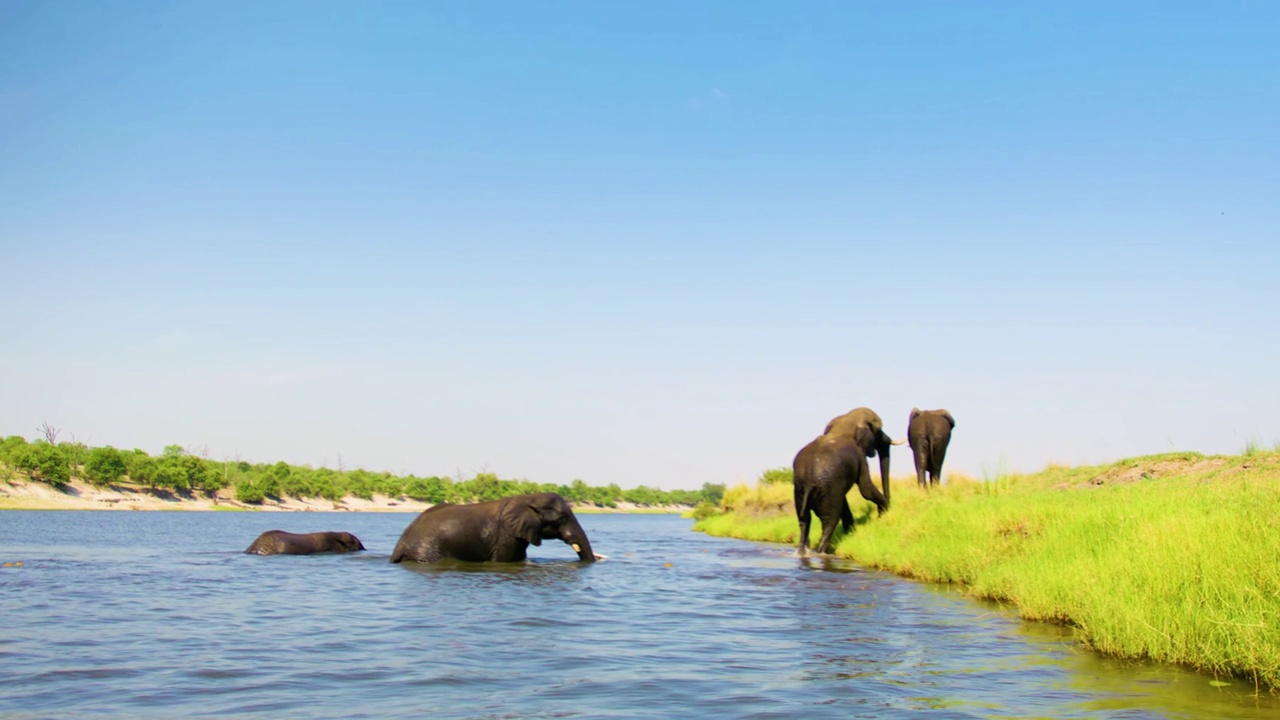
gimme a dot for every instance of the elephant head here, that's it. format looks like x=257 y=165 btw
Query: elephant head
x=347 y=541
x=864 y=426
x=545 y=516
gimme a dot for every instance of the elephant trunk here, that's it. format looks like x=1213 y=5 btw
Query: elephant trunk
x=573 y=534
x=883 y=452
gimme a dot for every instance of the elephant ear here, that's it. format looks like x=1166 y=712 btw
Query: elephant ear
x=915 y=413
x=524 y=523
x=866 y=441
x=947 y=415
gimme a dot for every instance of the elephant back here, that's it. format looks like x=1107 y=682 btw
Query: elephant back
x=930 y=422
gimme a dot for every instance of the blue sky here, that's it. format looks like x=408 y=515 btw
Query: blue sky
x=646 y=243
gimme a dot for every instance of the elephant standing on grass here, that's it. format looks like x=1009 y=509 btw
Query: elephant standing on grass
x=279 y=542
x=493 y=531
x=825 y=471
x=830 y=466
x=929 y=432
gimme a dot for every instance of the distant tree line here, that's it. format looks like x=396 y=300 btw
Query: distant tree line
x=178 y=471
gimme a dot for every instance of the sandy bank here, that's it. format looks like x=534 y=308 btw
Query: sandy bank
x=21 y=494
x=79 y=495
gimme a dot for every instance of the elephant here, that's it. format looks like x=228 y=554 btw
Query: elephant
x=492 y=531
x=929 y=432
x=279 y=542
x=825 y=471
x=874 y=441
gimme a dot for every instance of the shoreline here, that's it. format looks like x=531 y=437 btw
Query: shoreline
x=79 y=495
x=1129 y=554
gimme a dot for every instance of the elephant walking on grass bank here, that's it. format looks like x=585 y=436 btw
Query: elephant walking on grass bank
x=825 y=471
x=929 y=432
x=830 y=466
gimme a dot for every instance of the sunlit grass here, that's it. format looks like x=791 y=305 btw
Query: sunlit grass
x=1175 y=557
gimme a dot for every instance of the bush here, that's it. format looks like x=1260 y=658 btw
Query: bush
x=249 y=492
x=142 y=468
x=104 y=466
x=643 y=495
x=713 y=492
x=170 y=474
x=76 y=453
x=198 y=474
x=433 y=489
x=777 y=475
x=704 y=510
x=10 y=446
x=44 y=462
x=762 y=498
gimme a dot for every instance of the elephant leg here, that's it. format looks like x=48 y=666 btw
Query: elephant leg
x=938 y=453
x=921 y=452
x=871 y=492
x=828 y=529
x=846 y=515
x=802 y=517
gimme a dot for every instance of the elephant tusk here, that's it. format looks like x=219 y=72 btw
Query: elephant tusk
x=576 y=547
x=897 y=442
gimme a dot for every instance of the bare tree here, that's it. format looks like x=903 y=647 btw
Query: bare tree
x=50 y=432
x=76 y=459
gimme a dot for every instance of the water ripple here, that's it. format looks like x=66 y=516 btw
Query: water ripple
x=675 y=624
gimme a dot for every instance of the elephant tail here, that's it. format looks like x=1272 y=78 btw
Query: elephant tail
x=802 y=501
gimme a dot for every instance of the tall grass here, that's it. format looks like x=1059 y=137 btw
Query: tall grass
x=1172 y=557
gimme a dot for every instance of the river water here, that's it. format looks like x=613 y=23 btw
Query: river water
x=160 y=615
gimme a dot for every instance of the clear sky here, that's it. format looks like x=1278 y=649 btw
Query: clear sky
x=653 y=243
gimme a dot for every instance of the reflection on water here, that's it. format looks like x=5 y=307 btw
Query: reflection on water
x=161 y=615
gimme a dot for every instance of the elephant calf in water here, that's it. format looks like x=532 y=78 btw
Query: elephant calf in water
x=929 y=432
x=279 y=542
x=493 y=531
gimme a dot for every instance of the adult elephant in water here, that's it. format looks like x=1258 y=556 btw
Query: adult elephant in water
x=929 y=432
x=494 y=531
x=863 y=426
x=279 y=542
x=825 y=471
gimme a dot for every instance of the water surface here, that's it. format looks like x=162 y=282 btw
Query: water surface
x=160 y=614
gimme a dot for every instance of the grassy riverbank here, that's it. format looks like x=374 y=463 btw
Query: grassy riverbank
x=1171 y=557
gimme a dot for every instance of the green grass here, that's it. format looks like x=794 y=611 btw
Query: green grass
x=1172 y=557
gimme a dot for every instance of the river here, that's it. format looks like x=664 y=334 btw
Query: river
x=160 y=615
